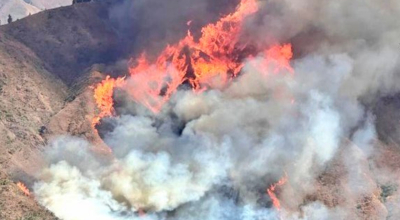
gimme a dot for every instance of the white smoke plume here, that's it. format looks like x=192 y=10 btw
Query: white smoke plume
x=213 y=155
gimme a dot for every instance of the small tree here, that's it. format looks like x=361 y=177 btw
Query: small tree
x=9 y=19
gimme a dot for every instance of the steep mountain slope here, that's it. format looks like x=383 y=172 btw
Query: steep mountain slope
x=29 y=96
x=47 y=63
x=70 y=39
x=21 y=8
x=67 y=39
x=34 y=107
x=45 y=74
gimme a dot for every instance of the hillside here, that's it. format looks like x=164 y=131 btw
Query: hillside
x=21 y=8
x=46 y=63
x=70 y=39
x=67 y=39
x=50 y=60
x=32 y=94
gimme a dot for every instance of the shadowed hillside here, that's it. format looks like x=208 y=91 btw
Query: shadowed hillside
x=68 y=39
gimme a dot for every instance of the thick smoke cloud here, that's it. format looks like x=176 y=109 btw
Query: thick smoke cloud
x=152 y=24
x=213 y=155
x=366 y=31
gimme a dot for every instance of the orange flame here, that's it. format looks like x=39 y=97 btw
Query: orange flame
x=218 y=42
x=275 y=59
x=212 y=55
x=23 y=188
x=212 y=60
x=271 y=192
x=103 y=96
x=280 y=56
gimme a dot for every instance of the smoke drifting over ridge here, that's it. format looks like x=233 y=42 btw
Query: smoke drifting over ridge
x=153 y=23
x=213 y=154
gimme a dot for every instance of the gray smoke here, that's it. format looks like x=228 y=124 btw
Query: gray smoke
x=152 y=24
x=213 y=155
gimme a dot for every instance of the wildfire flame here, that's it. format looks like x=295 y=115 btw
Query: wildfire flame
x=23 y=188
x=203 y=63
x=195 y=62
x=271 y=191
x=279 y=57
x=103 y=95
